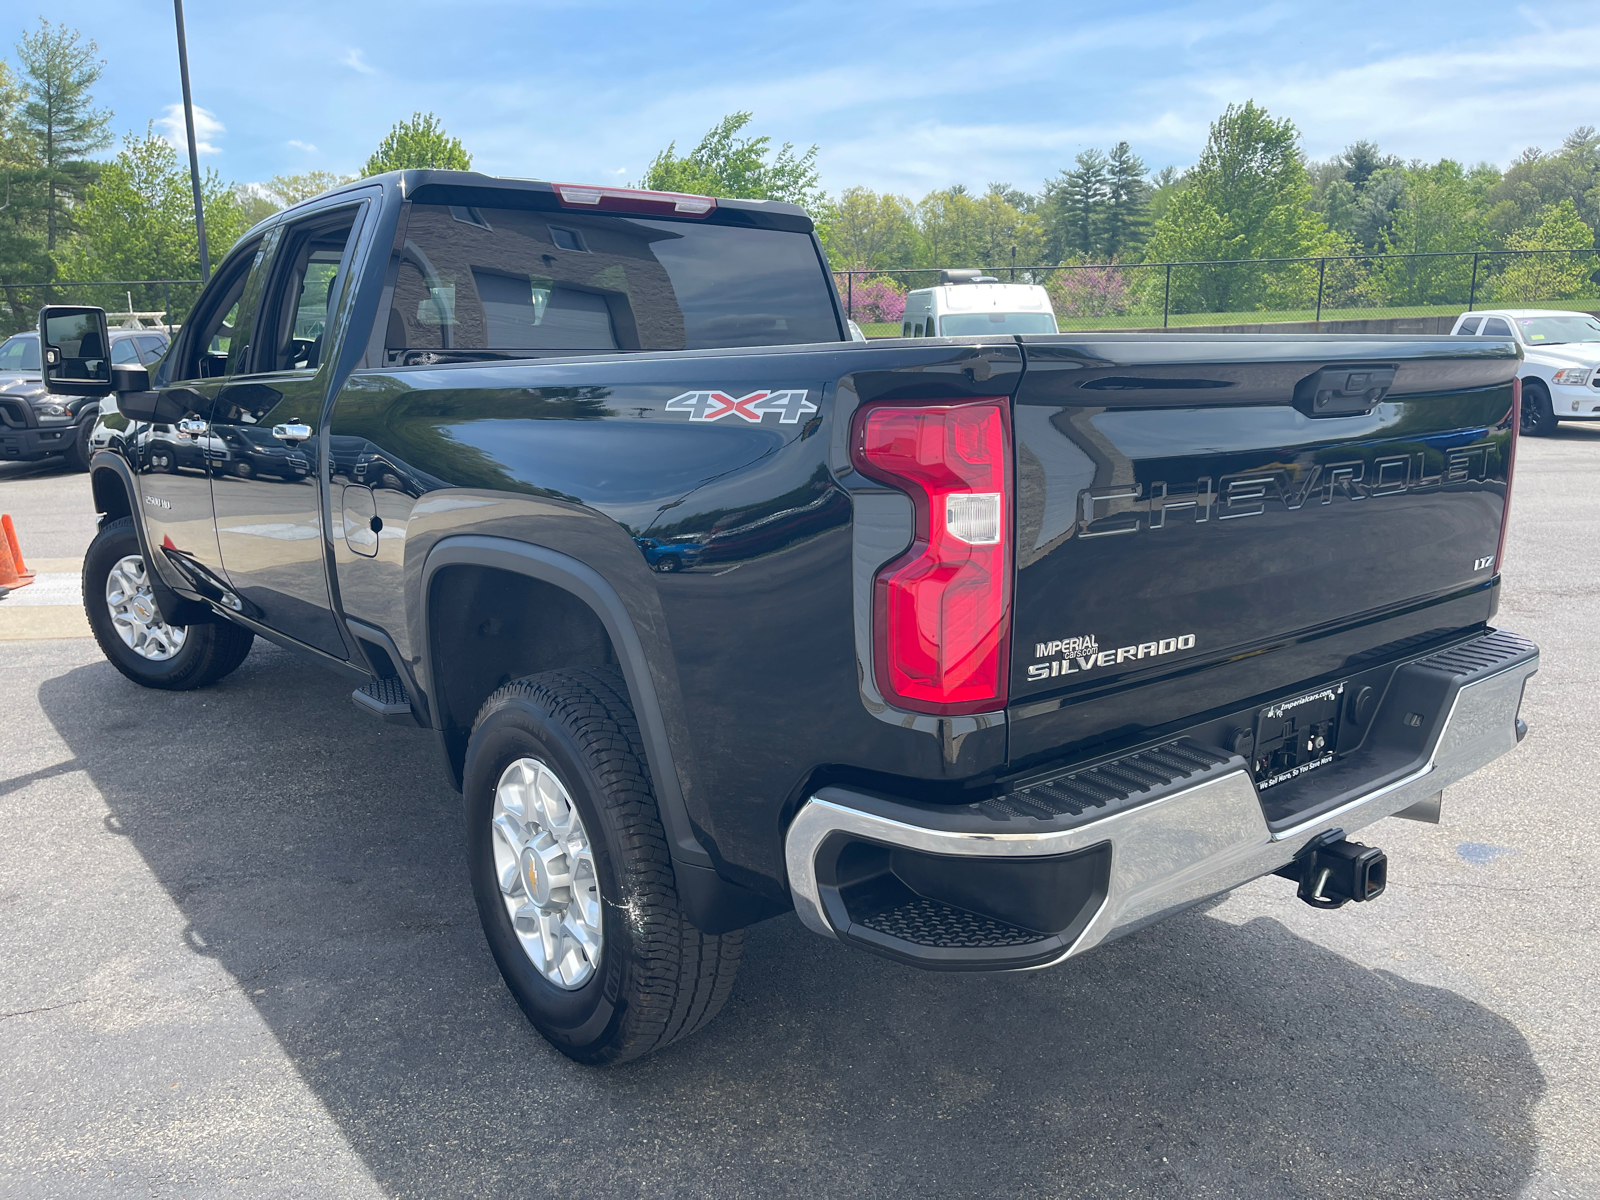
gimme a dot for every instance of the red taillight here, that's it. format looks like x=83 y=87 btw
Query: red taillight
x=632 y=200
x=1511 y=462
x=942 y=610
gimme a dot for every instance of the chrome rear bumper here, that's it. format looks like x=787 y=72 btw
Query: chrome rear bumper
x=1181 y=847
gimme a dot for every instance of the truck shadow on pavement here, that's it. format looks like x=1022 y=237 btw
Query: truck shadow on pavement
x=316 y=855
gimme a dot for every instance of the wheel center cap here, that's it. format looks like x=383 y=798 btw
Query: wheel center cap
x=535 y=879
x=142 y=609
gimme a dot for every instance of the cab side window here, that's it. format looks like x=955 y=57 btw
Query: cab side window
x=218 y=336
x=1469 y=327
x=1495 y=327
x=124 y=352
x=306 y=290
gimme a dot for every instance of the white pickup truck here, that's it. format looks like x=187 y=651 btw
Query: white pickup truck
x=1561 y=361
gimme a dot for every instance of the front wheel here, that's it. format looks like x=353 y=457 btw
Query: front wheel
x=79 y=453
x=119 y=600
x=1538 y=417
x=572 y=876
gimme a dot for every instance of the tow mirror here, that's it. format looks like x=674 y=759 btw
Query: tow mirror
x=75 y=350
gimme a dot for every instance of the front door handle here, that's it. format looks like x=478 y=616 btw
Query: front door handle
x=292 y=432
x=192 y=427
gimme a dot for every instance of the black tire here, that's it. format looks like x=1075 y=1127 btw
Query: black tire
x=658 y=978
x=1538 y=417
x=79 y=452
x=208 y=652
x=668 y=564
x=243 y=469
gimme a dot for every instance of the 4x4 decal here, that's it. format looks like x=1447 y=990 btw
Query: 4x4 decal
x=713 y=406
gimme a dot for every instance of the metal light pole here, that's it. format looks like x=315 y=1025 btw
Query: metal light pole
x=194 y=157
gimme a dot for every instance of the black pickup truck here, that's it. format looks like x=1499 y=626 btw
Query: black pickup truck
x=975 y=651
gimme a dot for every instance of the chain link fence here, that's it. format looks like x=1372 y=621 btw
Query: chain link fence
x=151 y=303
x=1194 y=295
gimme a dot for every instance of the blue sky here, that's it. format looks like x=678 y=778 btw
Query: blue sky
x=904 y=97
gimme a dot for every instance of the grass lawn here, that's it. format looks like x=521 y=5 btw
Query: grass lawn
x=1201 y=320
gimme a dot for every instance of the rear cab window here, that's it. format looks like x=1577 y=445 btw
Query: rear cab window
x=474 y=282
x=1468 y=326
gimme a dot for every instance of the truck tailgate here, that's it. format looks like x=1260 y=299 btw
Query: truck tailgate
x=1207 y=521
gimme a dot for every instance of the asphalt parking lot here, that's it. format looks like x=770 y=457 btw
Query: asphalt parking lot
x=238 y=953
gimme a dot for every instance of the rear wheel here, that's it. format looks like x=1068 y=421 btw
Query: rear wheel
x=1538 y=417
x=119 y=600
x=572 y=876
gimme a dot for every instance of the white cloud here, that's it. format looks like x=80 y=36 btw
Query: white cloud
x=357 y=61
x=206 y=128
x=299 y=145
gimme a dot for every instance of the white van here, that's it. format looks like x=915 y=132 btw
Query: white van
x=966 y=302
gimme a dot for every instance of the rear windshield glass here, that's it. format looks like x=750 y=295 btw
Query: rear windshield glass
x=963 y=324
x=510 y=280
x=20 y=354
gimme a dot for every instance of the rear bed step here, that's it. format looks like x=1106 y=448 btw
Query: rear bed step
x=385 y=698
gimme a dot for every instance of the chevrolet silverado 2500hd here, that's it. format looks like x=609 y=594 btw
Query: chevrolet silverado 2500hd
x=975 y=651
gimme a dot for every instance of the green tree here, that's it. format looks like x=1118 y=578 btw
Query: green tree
x=420 y=142
x=952 y=227
x=1247 y=198
x=1006 y=232
x=58 y=115
x=1076 y=201
x=1127 y=201
x=866 y=231
x=1437 y=214
x=1548 y=278
x=726 y=163
x=291 y=189
x=1538 y=181
x=137 y=220
x=23 y=257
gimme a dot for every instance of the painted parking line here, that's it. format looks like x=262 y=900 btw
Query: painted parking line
x=49 y=607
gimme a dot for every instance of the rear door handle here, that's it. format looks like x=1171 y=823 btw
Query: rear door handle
x=192 y=427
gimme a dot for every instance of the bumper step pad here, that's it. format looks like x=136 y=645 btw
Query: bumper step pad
x=1096 y=791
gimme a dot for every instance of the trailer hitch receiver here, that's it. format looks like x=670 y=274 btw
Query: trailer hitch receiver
x=1332 y=871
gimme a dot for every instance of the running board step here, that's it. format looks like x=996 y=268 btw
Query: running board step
x=385 y=698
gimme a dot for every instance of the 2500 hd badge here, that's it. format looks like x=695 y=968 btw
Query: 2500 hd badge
x=1069 y=649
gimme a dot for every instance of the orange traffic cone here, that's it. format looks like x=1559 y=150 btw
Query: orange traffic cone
x=13 y=572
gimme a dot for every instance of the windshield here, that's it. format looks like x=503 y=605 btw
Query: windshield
x=20 y=354
x=1555 y=331
x=994 y=322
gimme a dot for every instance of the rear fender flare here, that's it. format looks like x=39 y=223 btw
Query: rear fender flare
x=590 y=587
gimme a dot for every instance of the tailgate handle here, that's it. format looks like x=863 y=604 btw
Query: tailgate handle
x=1341 y=391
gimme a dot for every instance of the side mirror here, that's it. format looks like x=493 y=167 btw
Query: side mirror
x=75 y=350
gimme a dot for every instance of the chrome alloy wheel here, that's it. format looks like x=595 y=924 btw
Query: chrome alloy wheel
x=134 y=614
x=546 y=873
